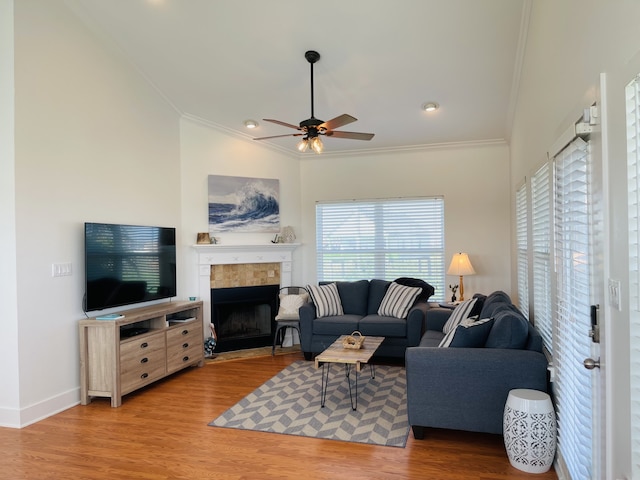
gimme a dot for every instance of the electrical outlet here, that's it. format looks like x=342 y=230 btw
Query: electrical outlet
x=614 y=294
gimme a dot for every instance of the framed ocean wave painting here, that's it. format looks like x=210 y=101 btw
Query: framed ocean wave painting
x=243 y=204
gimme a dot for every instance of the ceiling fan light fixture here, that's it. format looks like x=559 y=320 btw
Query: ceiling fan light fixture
x=303 y=145
x=316 y=145
x=430 y=106
x=250 y=123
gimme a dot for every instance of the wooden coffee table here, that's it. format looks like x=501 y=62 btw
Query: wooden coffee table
x=336 y=353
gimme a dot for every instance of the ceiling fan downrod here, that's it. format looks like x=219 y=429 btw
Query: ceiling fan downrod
x=312 y=57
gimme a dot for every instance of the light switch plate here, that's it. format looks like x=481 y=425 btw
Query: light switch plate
x=614 y=294
x=61 y=269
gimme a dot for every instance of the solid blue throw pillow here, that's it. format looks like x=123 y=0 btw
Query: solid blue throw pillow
x=472 y=335
x=510 y=330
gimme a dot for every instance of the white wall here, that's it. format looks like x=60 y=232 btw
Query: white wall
x=93 y=142
x=9 y=394
x=474 y=180
x=206 y=151
x=570 y=43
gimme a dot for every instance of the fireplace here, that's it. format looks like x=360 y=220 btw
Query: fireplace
x=207 y=256
x=244 y=317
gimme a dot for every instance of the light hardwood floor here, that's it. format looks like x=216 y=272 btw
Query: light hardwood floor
x=161 y=432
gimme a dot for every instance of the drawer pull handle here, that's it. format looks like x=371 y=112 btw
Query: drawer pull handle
x=184 y=359
x=185 y=332
x=144 y=375
x=144 y=345
x=144 y=360
x=185 y=345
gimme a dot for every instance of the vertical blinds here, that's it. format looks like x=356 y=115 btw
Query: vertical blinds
x=383 y=239
x=632 y=93
x=541 y=247
x=522 y=247
x=573 y=260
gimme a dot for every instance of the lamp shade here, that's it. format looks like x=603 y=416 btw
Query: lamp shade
x=460 y=265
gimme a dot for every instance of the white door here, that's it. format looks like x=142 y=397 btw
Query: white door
x=579 y=272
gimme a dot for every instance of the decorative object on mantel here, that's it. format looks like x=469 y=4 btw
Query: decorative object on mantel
x=287 y=235
x=203 y=238
x=461 y=266
x=243 y=204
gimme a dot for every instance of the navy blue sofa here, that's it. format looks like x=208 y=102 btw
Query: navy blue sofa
x=360 y=302
x=467 y=388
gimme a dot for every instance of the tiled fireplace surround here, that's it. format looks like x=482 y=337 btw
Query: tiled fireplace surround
x=229 y=266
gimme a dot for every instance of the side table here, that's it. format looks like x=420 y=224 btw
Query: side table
x=529 y=428
x=448 y=305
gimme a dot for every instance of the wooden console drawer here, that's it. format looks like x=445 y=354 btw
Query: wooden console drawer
x=143 y=373
x=142 y=360
x=134 y=346
x=178 y=358
x=187 y=332
x=184 y=346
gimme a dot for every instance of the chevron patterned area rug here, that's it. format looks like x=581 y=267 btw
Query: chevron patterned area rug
x=289 y=403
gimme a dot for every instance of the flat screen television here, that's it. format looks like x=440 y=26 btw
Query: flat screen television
x=127 y=264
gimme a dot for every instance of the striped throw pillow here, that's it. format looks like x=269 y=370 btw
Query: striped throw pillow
x=398 y=300
x=326 y=299
x=460 y=313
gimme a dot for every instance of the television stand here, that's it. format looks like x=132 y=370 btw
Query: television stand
x=114 y=363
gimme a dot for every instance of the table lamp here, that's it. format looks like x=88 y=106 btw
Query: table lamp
x=461 y=266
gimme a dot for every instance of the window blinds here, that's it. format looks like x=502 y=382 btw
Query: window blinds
x=541 y=247
x=383 y=239
x=632 y=93
x=573 y=260
x=522 y=246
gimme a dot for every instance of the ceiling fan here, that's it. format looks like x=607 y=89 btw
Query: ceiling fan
x=312 y=128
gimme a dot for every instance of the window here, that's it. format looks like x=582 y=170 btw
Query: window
x=541 y=246
x=522 y=246
x=633 y=175
x=384 y=239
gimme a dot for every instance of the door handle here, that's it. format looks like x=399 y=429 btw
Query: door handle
x=594 y=333
x=590 y=363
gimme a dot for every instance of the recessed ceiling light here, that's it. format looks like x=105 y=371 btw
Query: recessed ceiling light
x=430 y=106
x=250 y=123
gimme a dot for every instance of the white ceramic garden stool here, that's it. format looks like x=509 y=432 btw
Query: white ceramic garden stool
x=529 y=428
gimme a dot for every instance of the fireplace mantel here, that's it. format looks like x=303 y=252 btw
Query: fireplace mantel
x=217 y=254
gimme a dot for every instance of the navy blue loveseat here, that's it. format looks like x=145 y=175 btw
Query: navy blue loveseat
x=466 y=388
x=360 y=302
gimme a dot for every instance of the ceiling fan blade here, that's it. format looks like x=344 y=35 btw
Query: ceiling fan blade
x=338 y=122
x=278 y=136
x=284 y=124
x=351 y=135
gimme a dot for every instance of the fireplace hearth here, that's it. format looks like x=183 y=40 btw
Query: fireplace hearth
x=244 y=317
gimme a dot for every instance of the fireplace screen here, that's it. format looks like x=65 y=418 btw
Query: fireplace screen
x=244 y=317
x=239 y=320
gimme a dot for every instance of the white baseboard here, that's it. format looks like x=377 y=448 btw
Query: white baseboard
x=14 y=418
